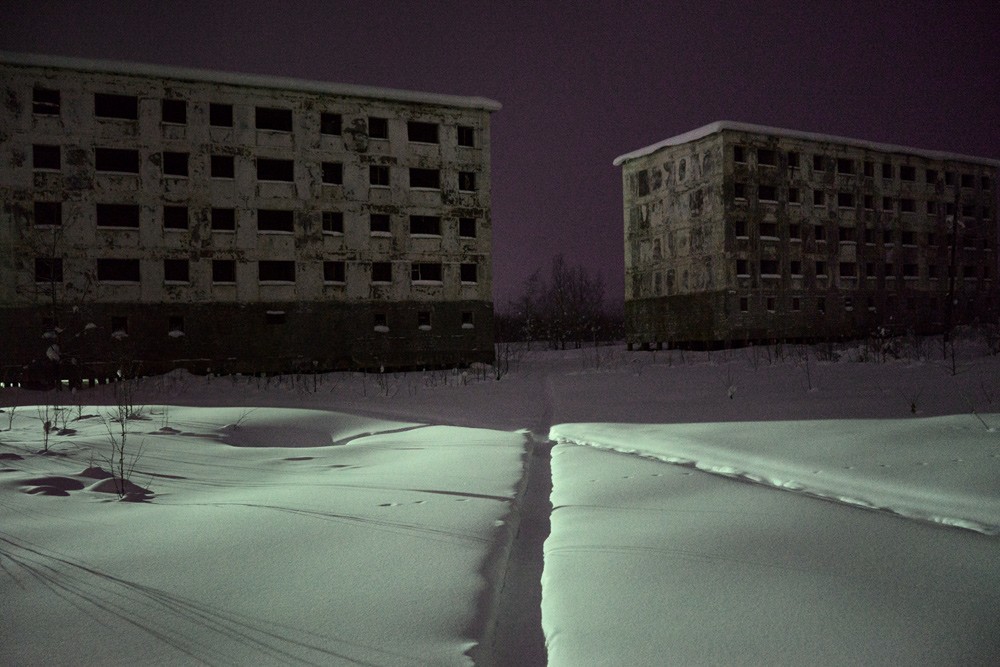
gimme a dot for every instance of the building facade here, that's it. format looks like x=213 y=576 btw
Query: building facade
x=239 y=223
x=737 y=233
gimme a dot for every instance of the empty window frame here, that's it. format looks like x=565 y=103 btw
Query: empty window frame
x=911 y=271
x=223 y=166
x=907 y=205
x=118 y=270
x=907 y=173
x=118 y=215
x=175 y=323
x=175 y=164
x=379 y=223
x=887 y=237
x=276 y=271
x=819 y=163
x=48 y=214
x=845 y=199
x=220 y=115
x=380 y=321
x=378 y=128
x=223 y=219
x=467 y=228
x=887 y=204
x=424 y=272
x=869 y=202
x=819 y=232
x=378 y=175
x=116 y=160
x=886 y=170
x=467 y=181
x=469 y=272
x=422 y=132
x=796 y=304
x=767 y=157
x=869 y=169
x=739 y=190
x=741 y=229
x=744 y=304
x=176 y=271
x=848 y=270
x=769 y=230
x=381 y=272
x=333 y=173
x=173 y=112
x=423 y=319
x=275 y=317
x=845 y=165
x=767 y=193
x=223 y=271
x=968 y=181
x=467 y=319
x=46 y=157
x=275 y=220
x=795 y=267
x=109 y=105
x=427 y=225
x=908 y=237
x=770 y=303
x=270 y=118
x=333 y=222
x=425 y=178
x=48 y=270
x=272 y=169
x=794 y=231
x=175 y=217
x=984 y=182
x=45 y=101
x=847 y=234
x=930 y=175
x=819 y=198
x=793 y=159
x=820 y=268
x=119 y=324
x=467 y=136
x=330 y=123
x=770 y=267
x=739 y=154
x=821 y=305
x=742 y=268
x=793 y=195
x=334 y=272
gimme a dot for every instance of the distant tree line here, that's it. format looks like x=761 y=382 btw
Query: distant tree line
x=565 y=308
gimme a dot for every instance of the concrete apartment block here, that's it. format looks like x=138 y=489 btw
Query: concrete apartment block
x=738 y=233
x=181 y=217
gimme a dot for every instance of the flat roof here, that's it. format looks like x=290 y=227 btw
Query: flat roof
x=249 y=80
x=721 y=125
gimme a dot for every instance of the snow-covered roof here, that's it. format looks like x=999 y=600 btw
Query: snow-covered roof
x=252 y=80
x=721 y=125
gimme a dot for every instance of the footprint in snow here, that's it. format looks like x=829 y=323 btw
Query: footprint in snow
x=389 y=505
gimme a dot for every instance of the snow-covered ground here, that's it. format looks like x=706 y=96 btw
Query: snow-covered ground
x=749 y=506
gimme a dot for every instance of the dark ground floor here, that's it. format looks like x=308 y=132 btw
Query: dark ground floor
x=92 y=341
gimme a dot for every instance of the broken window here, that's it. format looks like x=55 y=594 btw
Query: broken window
x=949 y=178
x=275 y=317
x=425 y=224
x=48 y=270
x=107 y=105
x=793 y=195
x=381 y=272
x=769 y=230
x=869 y=168
x=378 y=175
x=48 y=213
x=796 y=304
x=379 y=223
x=424 y=319
x=174 y=111
x=175 y=217
x=847 y=234
x=175 y=164
x=767 y=157
x=907 y=173
x=984 y=182
x=819 y=198
x=767 y=193
x=467 y=181
x=333 y=173
x=908 y=237
x=769 y=267
x=378 y=128
x=907 y=205
x=795 y=231
x=45 y=101
x=175 y=271
x=118 y=215
x=820 y=268
x=175 y=323
x=845 y=165
x=848 y=270
x=380 y=321
x=910 y=271
x=271 y=169
x=334 y=272
x=795 y=267
x=119 y=160
x=968 y=211
x=223 y=166
x=467 y=227
x=740 y=228
x=887 y=204
x=220 y=115
x=739 y=154
x=968 y=181
x=467 y=136
x=869 y=202
x=740 y=190
x=744 y=304
x=887 y=237
x=119 y=324
x=818 y=163
x=269 y=118
x=770 y=303
x=742 y=268
x=329 y=123
x=469 y=272
x=223 y=271
x=118 y=270
x=276 y=271
x=886 y=170
x=275 y=220
x=421 y=132
x=224 y=219
x=333 y=222
x=467 y=320
x=425 y=272
x=425 y=178
x=819 y=232
x=845 y=199
x=46 y=157
x=793 y=159
x=930 y=175
x=821 y=305
x=931 y=208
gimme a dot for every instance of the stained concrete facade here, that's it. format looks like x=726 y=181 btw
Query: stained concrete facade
x=737 y=233
x=233 y=222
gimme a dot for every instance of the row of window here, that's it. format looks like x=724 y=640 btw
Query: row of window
x=767 y=157
x=848 y=234
x=772 y=268
x=795 y=304
x=48 y=102
x=769 y=193
x=127 y=216
x=176 y=165
x=50 y=270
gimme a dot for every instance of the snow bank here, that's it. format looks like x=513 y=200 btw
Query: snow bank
x=941 y=469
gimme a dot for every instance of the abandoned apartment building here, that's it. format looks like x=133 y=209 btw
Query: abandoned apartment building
x=738 y=233
x=210 y=220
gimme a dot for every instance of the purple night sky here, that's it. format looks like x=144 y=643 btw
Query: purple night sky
x=582 y=82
